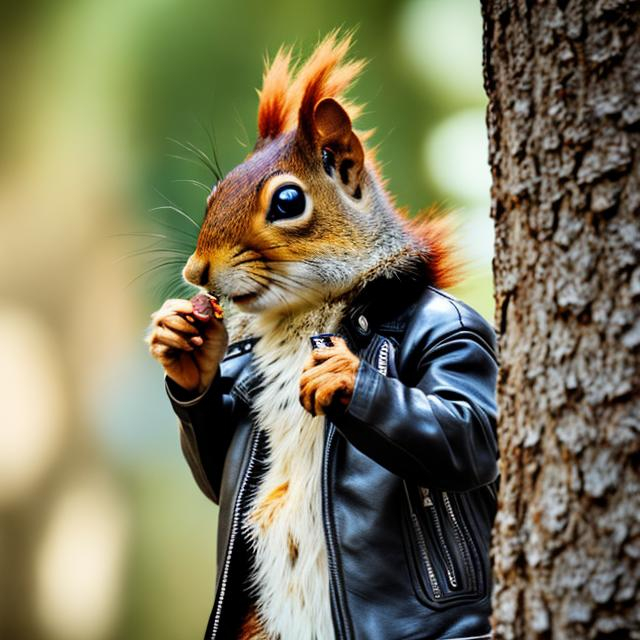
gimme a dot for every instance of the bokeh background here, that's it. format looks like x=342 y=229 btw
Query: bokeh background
x=103 y=534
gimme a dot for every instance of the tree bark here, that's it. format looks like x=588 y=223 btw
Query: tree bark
x=563 y=80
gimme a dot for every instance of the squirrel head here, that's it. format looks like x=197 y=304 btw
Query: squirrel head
x=306 y=216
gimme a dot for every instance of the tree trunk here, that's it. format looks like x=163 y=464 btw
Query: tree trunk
x=563 y=80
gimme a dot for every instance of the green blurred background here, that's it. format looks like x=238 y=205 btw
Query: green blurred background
x=103 y=534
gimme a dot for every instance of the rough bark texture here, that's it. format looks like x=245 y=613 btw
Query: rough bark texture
x=563 y=79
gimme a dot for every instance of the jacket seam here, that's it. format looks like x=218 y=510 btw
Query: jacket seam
x=476 y=335
x=451 y=301
x=200 y=474
x=408 y=453
x=187 y=404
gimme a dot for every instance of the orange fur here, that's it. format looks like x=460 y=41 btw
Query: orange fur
x=264 y=513
x=252 y=628
x=434 y=230
x=326 y=74
x=290 y=144
x=274 y=109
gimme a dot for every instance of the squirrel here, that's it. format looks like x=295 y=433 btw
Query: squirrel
x=290 y=237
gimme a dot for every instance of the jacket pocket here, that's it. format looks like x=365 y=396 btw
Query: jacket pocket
x=442 y=555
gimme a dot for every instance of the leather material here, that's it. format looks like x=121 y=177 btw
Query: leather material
x=403 y=563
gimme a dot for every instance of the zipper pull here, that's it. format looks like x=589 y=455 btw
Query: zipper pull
x=426 y=497
x=383 y=358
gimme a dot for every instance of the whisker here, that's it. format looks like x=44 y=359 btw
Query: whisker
x=292 y=286
x=142 y=252
x=256 y=277
x=188 y=234
x=196 y=183
x=212 y=145
x=192 y=149
x=176 y=207
x=155 y=267
x=293 y=279
x=270 y=290
x=213 y=164
x=195 y=161
x=137 y=234
x=199 y=154
x=240 y=262
x=168 y=207
x=273 y=248
x=244 y=130
x=176 y=288
x=173 y=243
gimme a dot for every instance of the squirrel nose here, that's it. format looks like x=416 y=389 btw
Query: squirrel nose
x=196 y=271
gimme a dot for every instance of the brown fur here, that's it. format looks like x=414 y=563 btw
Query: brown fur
x=301 y=113
x=251 y=628
x=294 y=549
x=264 y=513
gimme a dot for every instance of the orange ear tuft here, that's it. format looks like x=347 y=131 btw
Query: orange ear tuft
x=324 y=75
x=435 y=232
x=274 y=110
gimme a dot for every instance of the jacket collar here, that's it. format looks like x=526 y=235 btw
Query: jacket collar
x=385 y=304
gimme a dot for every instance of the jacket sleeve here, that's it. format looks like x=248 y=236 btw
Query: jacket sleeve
x=207 y=424
x=438 y=432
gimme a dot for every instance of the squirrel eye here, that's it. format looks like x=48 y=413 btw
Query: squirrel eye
x=288 y=201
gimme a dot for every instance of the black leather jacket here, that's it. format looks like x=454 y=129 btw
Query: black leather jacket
x=409 y=472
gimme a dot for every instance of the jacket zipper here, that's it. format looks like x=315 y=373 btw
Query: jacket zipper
x=383 y=367
x=235 y=522
x=460 y=538
x=427 y=502
x=334 y=578
x=422 y=545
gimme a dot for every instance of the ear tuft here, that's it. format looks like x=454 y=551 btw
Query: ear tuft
x=274 y=110
x=291 y=93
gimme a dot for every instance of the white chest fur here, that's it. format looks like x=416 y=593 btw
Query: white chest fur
x=285 y=521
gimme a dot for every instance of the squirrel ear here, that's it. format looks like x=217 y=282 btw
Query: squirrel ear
x=334 y=134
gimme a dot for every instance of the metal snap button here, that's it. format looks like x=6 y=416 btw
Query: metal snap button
x=363 y=323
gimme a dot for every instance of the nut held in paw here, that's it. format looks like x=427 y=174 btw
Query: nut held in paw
x=205 y=307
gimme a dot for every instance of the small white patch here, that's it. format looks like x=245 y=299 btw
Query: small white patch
x=292 y=593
